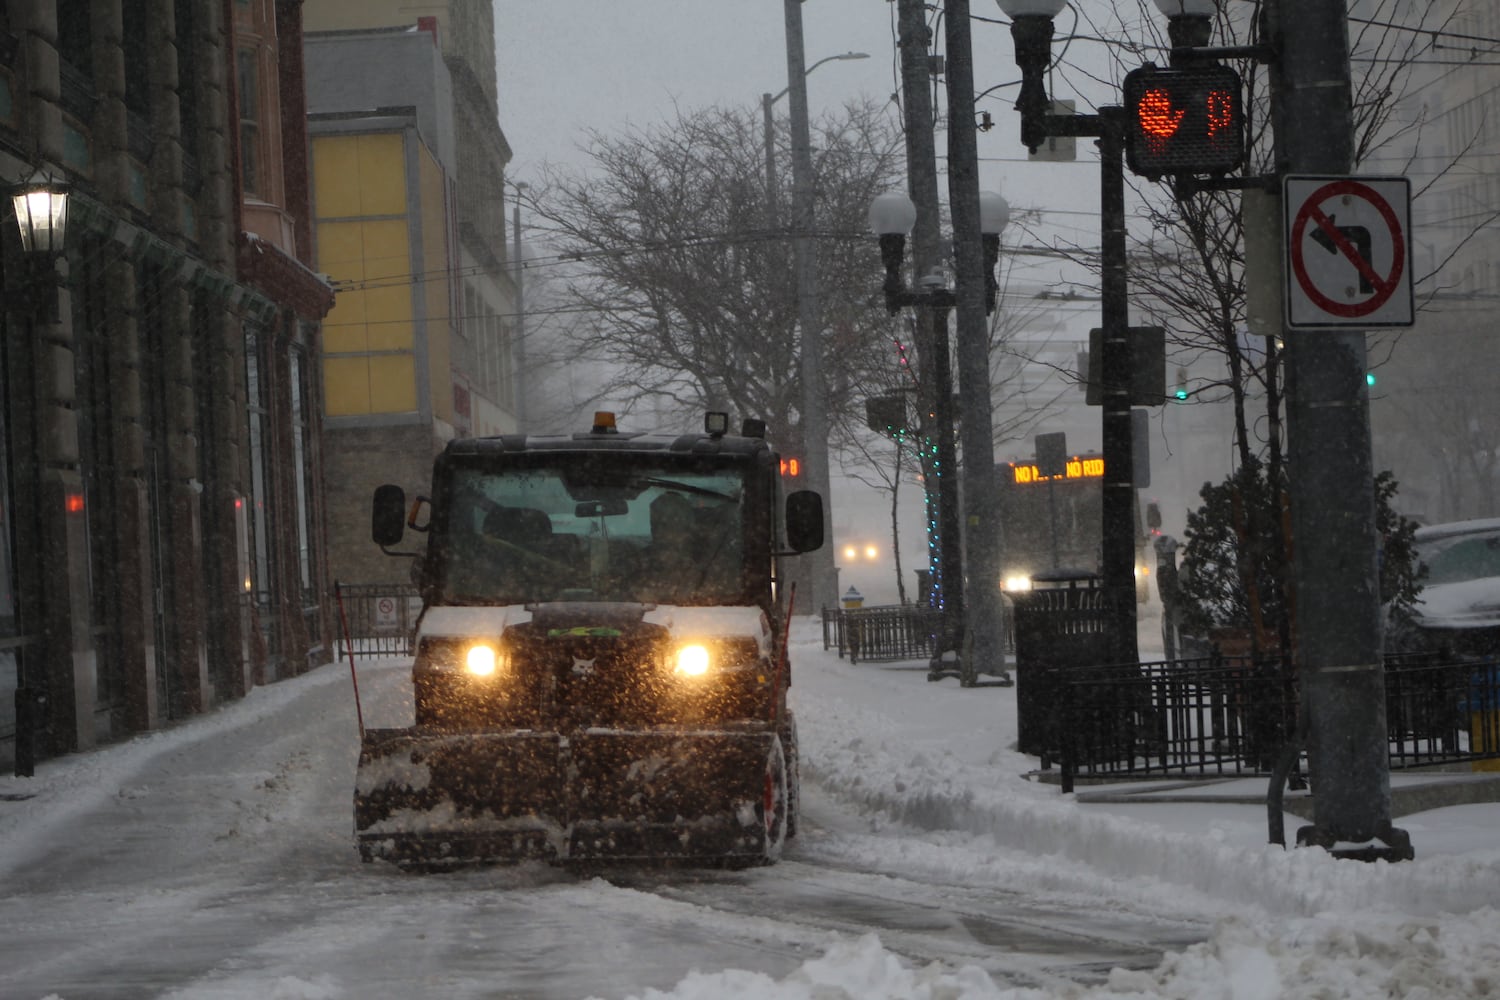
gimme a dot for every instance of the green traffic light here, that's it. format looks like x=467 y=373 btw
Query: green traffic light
x=1369 y=378
x=1182 y=393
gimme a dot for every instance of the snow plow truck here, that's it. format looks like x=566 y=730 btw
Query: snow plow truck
x=601 y=664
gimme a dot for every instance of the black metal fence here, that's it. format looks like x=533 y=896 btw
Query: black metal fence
x=1221 y=716
x=883 y=634
x=377 y=619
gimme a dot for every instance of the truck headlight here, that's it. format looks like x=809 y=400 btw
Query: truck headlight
x=1018 y=582
x=482 y=660
x=692 y=661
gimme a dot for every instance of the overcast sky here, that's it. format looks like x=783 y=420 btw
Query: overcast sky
x=570 y=65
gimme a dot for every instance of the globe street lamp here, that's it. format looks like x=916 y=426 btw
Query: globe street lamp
x=891 y=216
x=1031 y=28
x=1189 y=23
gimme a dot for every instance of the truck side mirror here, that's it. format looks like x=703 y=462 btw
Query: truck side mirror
x=388 y=516
x=804 y=521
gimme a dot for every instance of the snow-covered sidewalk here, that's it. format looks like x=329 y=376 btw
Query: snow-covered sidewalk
x=1292 y=923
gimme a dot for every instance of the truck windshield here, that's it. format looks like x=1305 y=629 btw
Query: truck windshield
x=590 y=532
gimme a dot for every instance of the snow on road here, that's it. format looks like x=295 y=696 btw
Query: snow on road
x=215 y=860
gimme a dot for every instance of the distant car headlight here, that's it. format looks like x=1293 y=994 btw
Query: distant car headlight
x=692 y=661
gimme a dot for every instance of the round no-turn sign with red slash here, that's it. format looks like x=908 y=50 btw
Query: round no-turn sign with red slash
x=1348 y=251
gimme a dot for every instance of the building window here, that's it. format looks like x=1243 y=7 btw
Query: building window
x=260 y=515
x=135 y=19
x=77 y=151
x=188 y=92
x=75 y=35
x=247 y=80
x=301 y=434
x=136 y=189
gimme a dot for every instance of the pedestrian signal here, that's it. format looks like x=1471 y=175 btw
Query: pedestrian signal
x=1183 y=121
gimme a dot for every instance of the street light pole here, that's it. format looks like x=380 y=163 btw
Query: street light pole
x=891 y=216
x=41 y=213
x=939 y=496
x=766 y=102
x=977 y=221
x=817 y=566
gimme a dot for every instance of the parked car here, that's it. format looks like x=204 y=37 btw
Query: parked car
x=1458 y=610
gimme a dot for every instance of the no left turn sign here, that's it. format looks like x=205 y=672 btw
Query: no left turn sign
x=1348 y=251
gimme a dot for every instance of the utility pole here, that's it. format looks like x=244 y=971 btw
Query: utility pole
x=1338 y=653
x=914 y=40
x=518 y=343
x=983 y=642
x=817 y=566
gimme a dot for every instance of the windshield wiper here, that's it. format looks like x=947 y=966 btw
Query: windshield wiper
x=672 y=484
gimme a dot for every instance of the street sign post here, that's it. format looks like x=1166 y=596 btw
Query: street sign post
x=1348 y=251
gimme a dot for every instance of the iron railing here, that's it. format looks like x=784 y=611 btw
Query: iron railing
x=376 y=619
x=883 y=634
x=1225 y=716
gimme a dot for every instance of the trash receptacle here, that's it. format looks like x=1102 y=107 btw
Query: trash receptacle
x=1483 y=707
x=1061 y=623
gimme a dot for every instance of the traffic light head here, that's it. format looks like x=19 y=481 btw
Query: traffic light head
x=1187 y=120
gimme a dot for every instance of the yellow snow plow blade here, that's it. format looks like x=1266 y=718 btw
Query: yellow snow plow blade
x=426 y=798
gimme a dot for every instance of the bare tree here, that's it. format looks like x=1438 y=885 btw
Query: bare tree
x=684 y=282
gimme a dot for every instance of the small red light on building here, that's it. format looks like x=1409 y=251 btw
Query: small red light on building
x=73 y=503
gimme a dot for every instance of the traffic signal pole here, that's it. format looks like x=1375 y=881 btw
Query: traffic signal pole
x=1118 y=514
x=1338 y=644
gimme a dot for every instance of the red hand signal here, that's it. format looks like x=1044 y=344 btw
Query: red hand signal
x=1158 y=119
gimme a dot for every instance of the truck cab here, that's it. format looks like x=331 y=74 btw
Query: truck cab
x=592 y=601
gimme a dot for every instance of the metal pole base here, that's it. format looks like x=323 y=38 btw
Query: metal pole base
x=1391 y=844
x=945 y=664
x=967 y=675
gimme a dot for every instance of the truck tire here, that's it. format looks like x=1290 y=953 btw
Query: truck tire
x=772 y=810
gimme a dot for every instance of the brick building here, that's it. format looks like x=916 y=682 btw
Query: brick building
x=161 y=545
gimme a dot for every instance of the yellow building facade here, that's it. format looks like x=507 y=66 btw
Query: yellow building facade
x=382 y=240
